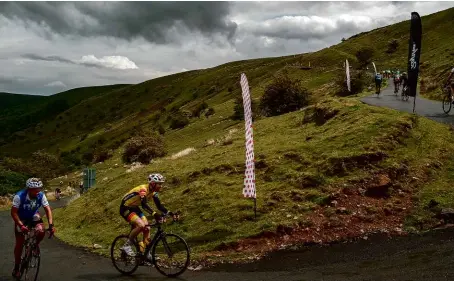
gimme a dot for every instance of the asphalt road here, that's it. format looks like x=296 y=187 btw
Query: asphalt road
x=424 y=107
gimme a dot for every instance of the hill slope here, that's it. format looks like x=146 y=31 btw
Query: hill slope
x=18 y=112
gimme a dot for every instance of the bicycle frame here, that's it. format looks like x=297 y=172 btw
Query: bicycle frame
x=158 y=234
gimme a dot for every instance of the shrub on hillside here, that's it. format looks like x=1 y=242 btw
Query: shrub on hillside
x=41 y=164
x=161 y=129
x=209 y=112
x=358 y=82
x=144 y=148
x=364 y=56
x=199 y=108
x=392 y=46
x=102 y=154
x=178 y=121
x=11 y=182
x=283 y=95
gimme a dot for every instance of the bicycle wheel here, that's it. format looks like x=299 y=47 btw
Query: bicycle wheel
x=29 y=268
x=175 y=253
x=122 y=262
x=447 y=104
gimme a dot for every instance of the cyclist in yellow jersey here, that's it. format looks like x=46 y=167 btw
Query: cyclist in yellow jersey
x=139 y=197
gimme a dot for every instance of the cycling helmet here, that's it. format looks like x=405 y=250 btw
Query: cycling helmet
x=34 y=183
x=156 y=178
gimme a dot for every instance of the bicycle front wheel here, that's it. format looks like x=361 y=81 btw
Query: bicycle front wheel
x=171 y=255
x=121 y=260
x=30 y=265
x=447 y=104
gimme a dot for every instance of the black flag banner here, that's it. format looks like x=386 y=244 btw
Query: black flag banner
x=414 y=52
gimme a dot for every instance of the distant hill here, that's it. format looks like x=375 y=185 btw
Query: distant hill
x=18 y=112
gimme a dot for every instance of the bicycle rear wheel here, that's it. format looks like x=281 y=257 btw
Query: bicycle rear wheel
x=171 y=252
x=447 y=104
x=121 y=261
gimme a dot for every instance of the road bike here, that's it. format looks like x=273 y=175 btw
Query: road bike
x=396 y=86
x=31 y=256
x=404 y=93
x=448 y=99
x=175 y=253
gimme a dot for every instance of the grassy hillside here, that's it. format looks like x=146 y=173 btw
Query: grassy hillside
x=18 y=112
x=302 y=160
x=334 y=169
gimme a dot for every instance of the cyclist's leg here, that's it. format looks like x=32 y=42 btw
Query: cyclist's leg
x=38 y=225
x=146 y=230
x=132 y=217
x=20 y=239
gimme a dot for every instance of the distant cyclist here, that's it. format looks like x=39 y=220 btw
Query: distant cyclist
x=450 y=81
x=404 y=79
x=396 y=82
x=378 y=80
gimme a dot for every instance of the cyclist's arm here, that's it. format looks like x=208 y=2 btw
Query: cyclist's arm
x=147 y=207
x=159 y=204
x=48 y=210
x=15 y=209
x=15 y=216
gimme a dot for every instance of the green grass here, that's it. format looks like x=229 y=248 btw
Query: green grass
x=206 y=184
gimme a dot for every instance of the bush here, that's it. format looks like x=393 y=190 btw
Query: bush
x=178 y=121
x=392 y=46
x=238 y=109
x=102 y=155
x=144 y=148
x=11 y=182
x=364 y=56
x=161 y=129
x=283 y=95
x=358 y=82
x=41 y=164
x=88 y=157
x=209 y=112
x=199 y=108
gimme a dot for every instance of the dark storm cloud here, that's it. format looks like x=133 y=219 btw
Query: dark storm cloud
x=157 y=22
x=49 y=58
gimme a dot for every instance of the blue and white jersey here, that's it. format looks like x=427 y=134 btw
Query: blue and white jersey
x=28 y=206
x=378 y=77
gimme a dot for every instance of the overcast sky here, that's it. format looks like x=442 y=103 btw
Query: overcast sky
x=47 y=48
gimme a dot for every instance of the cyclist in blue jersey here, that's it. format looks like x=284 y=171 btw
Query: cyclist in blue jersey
x=378 y=79
x=25 y=213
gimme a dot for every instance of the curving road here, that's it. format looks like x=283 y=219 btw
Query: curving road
x=424 y=107
x=417 y=257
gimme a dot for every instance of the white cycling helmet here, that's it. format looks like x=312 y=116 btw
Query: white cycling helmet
x=34 y=183
x=156 y=178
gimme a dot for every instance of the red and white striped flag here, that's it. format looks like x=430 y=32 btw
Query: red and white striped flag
x=249 y=175
x=347 y=70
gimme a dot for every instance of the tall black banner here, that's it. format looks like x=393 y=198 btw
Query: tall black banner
x=414 y=52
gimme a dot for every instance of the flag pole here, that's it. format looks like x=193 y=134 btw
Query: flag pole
x=255 y=207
